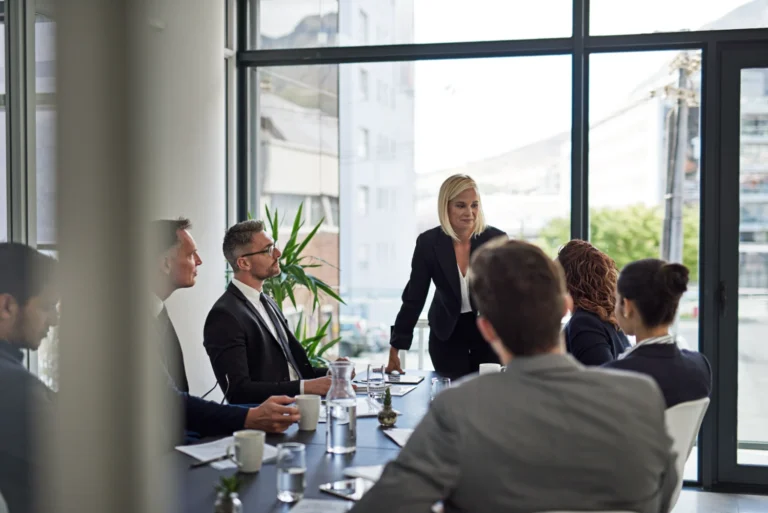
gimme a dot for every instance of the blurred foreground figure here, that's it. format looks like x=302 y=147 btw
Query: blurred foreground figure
x=28 y=309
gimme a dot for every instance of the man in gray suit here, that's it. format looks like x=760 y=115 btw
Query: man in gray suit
x=548 y=434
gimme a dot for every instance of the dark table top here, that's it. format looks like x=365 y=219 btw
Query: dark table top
x=259 y=491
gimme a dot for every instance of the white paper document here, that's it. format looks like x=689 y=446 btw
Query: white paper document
x=371 y=472
x=398 y=435
x=395 y=390
x=365 y=408
x=321 y=506
x=218 y=448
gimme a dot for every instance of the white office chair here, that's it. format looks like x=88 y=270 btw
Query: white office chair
x=683 y=424
x=3 y=505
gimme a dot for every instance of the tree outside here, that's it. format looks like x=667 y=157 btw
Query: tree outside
x=628 y=234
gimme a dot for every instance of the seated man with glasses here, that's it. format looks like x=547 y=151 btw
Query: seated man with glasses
x=253 y=352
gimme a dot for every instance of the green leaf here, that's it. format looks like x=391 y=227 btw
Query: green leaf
x=329 y=345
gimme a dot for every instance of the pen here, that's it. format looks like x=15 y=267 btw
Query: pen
x=208 y=462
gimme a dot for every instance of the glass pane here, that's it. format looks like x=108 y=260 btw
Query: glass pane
x=4 y=221
x=45 y=123
x=313 y=23
x=644 y=131
x=617 y=17
x=48 y=352
x=378 y=164
x=752 y=416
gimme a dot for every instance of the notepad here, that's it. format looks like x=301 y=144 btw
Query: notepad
x=399 y=435
x=395 y=390
x=211 y=450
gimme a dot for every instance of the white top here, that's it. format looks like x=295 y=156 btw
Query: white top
x=254 y=296
x=664 y=339
x=466 y=306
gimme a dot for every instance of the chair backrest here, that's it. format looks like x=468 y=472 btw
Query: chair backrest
x=683 y=424
x=3 y=505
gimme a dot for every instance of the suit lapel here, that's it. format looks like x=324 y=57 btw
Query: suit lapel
x=446 y=257
x=254 y=313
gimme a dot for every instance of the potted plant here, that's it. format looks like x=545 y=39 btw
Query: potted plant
x=227 y=500
x=387 y=416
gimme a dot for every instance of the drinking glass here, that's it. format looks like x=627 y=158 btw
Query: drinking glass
x=438 y=385
x=291 y=469
x=376 y=384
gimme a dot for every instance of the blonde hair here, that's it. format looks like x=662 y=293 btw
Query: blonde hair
x=452 y=187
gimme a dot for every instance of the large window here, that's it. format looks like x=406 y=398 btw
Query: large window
x=4 y=220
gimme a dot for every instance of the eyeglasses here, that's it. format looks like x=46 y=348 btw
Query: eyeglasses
x=270 y=250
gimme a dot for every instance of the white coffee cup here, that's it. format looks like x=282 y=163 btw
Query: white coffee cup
x=248 y=450
x=309 y=409
x=489 y=368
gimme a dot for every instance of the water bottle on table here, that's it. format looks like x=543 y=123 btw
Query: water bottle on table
x=341 y=410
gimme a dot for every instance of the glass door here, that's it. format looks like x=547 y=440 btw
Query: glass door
x=743 y=327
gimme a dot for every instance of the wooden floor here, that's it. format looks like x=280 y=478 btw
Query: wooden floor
x=692 y=501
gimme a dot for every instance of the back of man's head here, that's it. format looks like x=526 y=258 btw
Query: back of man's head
x=165 y=233
x=521 y=292
x=24 y=271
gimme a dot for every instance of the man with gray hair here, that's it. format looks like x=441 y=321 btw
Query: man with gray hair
x=253 y=352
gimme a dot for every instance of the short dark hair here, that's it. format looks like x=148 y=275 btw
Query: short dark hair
x=24 y=271
x=655 y=286
x=238 y=236
x=165 y=233
x=590 y=276
x=521 y=291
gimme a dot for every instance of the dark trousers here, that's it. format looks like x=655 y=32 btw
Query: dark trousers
x=463 y=352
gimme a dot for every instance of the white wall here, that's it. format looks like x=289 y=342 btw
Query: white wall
x=187 y=156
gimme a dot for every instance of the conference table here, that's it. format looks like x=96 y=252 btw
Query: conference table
x=258 y=491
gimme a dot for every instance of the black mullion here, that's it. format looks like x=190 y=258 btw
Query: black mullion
x=580 y=123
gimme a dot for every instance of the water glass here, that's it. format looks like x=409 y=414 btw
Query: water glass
x=376 y=383
x=438 y=385
x=291 y=470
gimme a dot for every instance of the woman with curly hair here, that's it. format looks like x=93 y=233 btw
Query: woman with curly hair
x=592 y=334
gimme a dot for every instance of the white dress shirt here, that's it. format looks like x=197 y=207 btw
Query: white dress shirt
x=254 y=296
x=466 y=306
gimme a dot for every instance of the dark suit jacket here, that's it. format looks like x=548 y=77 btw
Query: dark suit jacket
x=25 y=402
x=242 y=348
x=593 y=341
x=434 y=260
x=682 y=375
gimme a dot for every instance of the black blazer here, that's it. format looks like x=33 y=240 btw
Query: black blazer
x=682 y=375
x=242 y=348
x=593 y=341
x=434 y=259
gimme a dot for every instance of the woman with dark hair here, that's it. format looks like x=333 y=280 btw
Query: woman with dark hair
x=592 y=334
x=647 y=295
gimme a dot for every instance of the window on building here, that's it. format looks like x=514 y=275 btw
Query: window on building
x=382 y=198
x=363 y=255
x=362 y=200
x=363 y=144
x=363 y=82
x=363 y=28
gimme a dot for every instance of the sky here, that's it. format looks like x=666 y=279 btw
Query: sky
x=472 y=109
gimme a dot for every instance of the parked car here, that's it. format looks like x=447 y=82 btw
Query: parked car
x=352 y=330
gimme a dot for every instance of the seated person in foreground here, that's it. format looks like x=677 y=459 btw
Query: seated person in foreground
x=177 y=265
x=592 y=334
x=647 y=295
x=546 y=435
x=253 y=352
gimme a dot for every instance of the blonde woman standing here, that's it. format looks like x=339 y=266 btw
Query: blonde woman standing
x=442 y=257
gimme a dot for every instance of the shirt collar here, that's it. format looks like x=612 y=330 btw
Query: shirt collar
x=249 y=292
x=157 y=305
x=543 y=362
x=6 y=348
x=662 y=340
